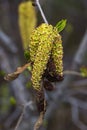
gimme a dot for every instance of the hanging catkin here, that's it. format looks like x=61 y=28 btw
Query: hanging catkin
x=27 y=21
x=44 y=42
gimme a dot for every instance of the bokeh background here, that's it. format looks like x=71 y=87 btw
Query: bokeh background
x=67 y=106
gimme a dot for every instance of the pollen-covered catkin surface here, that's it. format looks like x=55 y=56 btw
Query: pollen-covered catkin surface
x=34 y=43
x=38 y=37
x=57 y=55
x=41 y=55
x=27 y=21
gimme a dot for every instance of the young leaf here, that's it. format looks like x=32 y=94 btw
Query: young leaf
x=27 y=55
x=12 y=101
x=61 y=25
x=83 y=71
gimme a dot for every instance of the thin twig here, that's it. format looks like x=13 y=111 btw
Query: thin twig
x=39 y=122
x=11 y=119
x=75 y=118
x=76 y=102
x=20 y=118
x=41 y=11
x=70 y=72
x=7 y=42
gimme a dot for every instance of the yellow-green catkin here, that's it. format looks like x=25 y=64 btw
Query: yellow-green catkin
x=57 y=55
x=34 y=43
x=27 y=21
x=44 y=39
x=38 y=36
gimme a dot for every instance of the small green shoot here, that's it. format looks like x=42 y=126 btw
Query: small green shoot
x=29 y=84
x=83 y=71
x=27 y=55
x=29 y=68
x=61 y=25
x=12 y=101
x=45 y=123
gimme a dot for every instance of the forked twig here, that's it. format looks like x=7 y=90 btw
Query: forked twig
x=20 y=119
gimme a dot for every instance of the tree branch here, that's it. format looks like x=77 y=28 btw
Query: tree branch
x=7 y=42
x=41 y=11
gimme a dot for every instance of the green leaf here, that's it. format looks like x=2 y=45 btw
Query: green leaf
x=2 y=73
x=12 y=101
x=29 y=84
x=29 y=68
x=83 y=71
x=27 y=55
x=45 y=123
x=61 y=25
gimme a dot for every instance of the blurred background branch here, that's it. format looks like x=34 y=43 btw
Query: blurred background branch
x=7 y=42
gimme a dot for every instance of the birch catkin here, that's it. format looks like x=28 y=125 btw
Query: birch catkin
x=27 y=21
x=44 y=42
x=57 y=55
